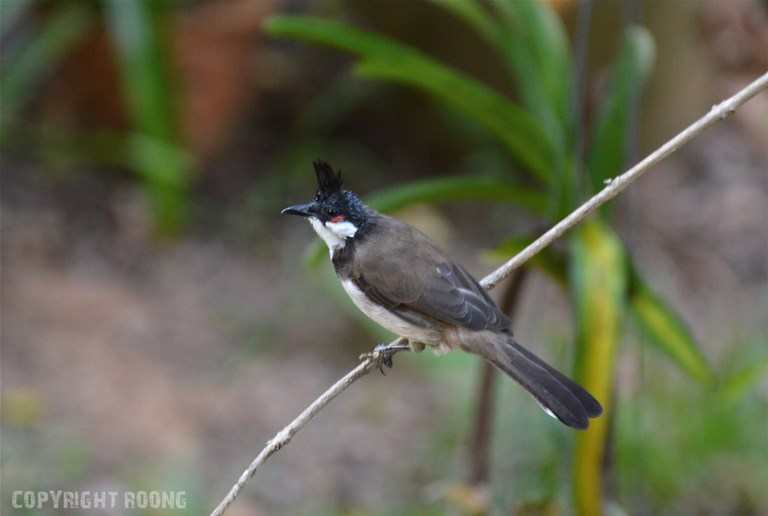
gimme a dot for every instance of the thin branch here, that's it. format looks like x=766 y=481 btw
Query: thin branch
x=369 y=361
x=615 y=186
x=618 y=184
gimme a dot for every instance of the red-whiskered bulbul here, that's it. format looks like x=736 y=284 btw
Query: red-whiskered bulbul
x=400 y=279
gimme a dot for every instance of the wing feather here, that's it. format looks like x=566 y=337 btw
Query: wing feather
x=429 y=283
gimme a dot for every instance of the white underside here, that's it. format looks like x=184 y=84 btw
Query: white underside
x=388 y=320
x=335 y=235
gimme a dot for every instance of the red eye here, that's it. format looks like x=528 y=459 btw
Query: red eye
x=337 y=218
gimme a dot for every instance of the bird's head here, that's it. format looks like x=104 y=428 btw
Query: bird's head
x=335 y=214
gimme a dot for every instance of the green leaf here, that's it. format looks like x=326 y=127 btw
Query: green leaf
x=63 y=29
x=667 y=331
x=138 y=29
x=610 y=137
x=536 y=45
x=147 y=152
x=384 y=58
x=737 y=384
x=532 y=41
x=475 y=16
x=598 y=286
x=536 y=48
x=461 y=188
x=514 y=127
x=434 y=191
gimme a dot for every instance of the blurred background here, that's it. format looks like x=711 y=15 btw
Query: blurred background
x=161 y=321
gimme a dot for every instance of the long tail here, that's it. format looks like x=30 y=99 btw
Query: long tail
x=557 y=394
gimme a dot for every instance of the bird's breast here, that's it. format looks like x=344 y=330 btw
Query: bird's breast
x=389 y=320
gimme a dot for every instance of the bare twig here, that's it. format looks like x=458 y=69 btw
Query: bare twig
x=619 y=183
x=375 y=359
x=369 y=361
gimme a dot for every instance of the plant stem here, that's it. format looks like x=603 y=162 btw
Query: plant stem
x=485 y=394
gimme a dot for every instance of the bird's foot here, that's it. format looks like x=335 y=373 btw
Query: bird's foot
x=382 y=354
x=384 y=357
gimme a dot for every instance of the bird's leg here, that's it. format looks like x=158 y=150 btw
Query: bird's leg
x=382 y=354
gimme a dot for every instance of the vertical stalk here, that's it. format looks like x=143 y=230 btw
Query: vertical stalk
x=485 y=394
x=597 y=283
x=485 y=415
x=140 y=34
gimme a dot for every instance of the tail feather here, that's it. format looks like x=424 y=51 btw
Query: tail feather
x=556 y=393
x=590 y=404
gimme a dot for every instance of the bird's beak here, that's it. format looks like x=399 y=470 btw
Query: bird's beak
x=302 y=210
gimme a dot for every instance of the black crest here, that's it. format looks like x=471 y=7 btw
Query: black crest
x=328 y=181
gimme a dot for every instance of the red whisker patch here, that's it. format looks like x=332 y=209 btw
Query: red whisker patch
x=337 y=218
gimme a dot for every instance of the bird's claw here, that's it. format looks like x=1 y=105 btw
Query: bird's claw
x=385 y=354
x=381 y=356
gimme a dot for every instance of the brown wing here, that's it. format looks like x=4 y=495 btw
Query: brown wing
x=413 y=275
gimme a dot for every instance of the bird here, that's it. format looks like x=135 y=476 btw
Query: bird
x=404 y=282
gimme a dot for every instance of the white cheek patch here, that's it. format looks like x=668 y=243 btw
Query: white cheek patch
x=333 y=233
x=342 y=229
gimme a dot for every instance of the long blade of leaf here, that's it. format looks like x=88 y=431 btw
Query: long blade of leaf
x=610 y=137
x=384 y=58
x=461 y=188
x=440 y=190
x=536 y=44
x=63 y=28
x=511 y=44
x=505 y=120
x=665 y=328
x=532 y=41
x=667 y=331
x=138 y=31
x=737 y=384
x=474 y=15
x=598 y=286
